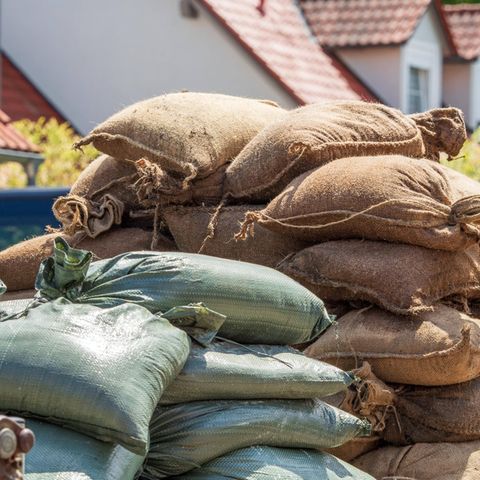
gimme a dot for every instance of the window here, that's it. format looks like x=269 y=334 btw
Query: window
x=418 y=90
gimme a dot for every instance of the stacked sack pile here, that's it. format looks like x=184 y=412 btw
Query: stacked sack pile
x=347 y=198
x=125 y=371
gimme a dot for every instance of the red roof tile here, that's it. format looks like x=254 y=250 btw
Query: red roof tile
x=19 y=98
x=11 y=139
x=464 y=23
x=278 y=38
x=348 y=23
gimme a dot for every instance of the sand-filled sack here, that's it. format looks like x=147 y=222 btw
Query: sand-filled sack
x=19 y=263
x=390 y=198
x=440 y=347
x=189 y=227
x=316 y=134
x=189 y=134
x=403 y=279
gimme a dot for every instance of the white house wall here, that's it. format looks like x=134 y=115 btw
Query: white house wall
x=385 y=69
x=91 y=58
x=379 y=68
x=457 y=88
x=424 y=50
x=475 y=94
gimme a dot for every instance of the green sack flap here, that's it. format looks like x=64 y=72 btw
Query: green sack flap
x=224 y=371
x=262 y=463
x=198 y=321
x=62 y=274
x=61 y=454
x=98 y=371
x=261 y=305
x=185 y=436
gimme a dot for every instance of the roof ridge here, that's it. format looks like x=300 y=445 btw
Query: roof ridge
x=11 y=76
x=462 y=7
x=282 y=44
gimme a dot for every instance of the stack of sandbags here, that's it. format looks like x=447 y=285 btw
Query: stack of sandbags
x=93 y=377
x=344 y=197
x=194 y=149
x=171 y=149
x=228 y=396
x=402 y=234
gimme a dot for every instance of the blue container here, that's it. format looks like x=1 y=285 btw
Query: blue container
x=25 y=212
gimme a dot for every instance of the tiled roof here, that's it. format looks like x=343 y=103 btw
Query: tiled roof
x=11 y=139
x=352 y=23
x=19 y=98
x=464 y=23
x=278 y=38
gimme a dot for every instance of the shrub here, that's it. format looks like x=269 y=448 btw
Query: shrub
x=12 y=175
x=62 y=165
x=468 y=160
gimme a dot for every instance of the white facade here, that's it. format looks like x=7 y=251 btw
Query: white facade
x=462 y=89
x=475 y=94
x=91 y=58
x=379 y=68
x=387 y=70
x=457 y=87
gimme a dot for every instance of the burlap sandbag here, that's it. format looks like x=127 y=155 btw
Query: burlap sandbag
x=368 y=398
x=18 y=295
x=424 y=461
x=443 y=130
x=99 y=199
x=19 y=264
x=311 y=136
x=189 y=227
x=391 y=198
x=153 y=189
x=434 y=414
x=403 y=279
x=355 y=448
x=441 y=347
x=191 y=134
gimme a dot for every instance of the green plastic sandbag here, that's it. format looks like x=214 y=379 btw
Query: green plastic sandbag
x=224 y=371
x=62 y=454
x=260 y=304
x=262 y=463
x=185 y=436
x=98 y=371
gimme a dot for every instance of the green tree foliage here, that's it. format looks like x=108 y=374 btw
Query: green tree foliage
x=62 y=164
x=12 y=175
x=468 y=160
x=461 y=1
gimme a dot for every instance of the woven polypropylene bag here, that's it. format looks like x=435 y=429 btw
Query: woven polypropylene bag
x=185 y=436
x=98 y=371
x=261 y=305
x=228 y=371
x=261 y=463
x=62 y=454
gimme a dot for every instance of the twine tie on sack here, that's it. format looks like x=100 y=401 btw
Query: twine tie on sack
x=466 y=211
x=212 y=224
x=247 y=227
x=153 y=181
